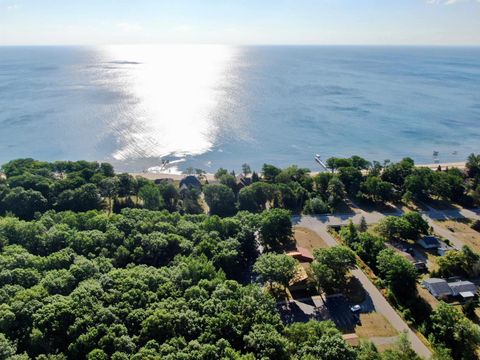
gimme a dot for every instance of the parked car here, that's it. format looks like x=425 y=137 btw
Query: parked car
x=355 y=309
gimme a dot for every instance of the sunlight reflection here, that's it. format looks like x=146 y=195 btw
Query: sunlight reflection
x=176 y=88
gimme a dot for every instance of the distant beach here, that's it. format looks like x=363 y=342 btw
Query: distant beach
x=211 y=177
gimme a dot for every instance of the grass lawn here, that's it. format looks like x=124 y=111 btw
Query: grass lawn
x=308 y=239
x=462 y=231
x=427 y=297
x=374 y=325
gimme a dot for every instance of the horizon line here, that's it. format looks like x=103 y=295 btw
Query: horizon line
x=242 y=44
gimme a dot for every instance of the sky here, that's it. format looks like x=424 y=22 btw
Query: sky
x=355 y=22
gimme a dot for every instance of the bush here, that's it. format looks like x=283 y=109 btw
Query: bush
x=316 y=206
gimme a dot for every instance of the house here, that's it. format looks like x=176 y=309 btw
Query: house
x=301 y=254
x=437 y=287
x=190 y=181
x=429 y=242
x=243 y=181
x=464 y=289
x=419 y=265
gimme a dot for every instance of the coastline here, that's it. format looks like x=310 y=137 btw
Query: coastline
x=211 y=177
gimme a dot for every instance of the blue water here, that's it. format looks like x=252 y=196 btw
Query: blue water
x=225 y=106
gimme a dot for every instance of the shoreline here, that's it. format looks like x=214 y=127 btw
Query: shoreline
x=211 y=177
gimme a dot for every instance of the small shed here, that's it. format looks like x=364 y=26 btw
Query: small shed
x=301 y=254
x=429 y=242
x=437 y=287
x=459 y=287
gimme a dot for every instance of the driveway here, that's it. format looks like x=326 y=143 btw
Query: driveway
x=380 y=304
x=334 y=308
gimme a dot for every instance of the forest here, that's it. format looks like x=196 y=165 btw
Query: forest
x=100 y=265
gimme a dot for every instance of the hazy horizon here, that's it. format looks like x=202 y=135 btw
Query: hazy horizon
x=283 y=22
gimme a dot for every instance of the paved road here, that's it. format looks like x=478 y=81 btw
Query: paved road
x=380 y=303
x=433 y=214
x=321 y=221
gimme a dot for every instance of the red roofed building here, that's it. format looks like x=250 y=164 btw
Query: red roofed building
x=301 y=254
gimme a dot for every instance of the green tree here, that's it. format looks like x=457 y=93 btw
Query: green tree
x=377 y=190
x=398 y=272
x=363 y=226
x=321 y=181
x=452 y=329
x=229 y=181
x=150 y=195
x=86 y=198
x=368 y=247
x=270 y=172
x=109 y=188
x=246 y=170
x=473 y=166
x=419 y=226
x=170 y=195
x=316 y=206
x=276 y=268
x=335 y=191
x=276 y=229
x=335 y=163
x=220 y=199
x=266 y=342
x=396 y=173
x=395 y=227
x=351 y=177
x=24 y=203
x=126 y=185
x=7 y=349
x=331 y=266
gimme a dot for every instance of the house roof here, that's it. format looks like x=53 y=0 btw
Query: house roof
x=437 y=287
x=430 y=241
x=190 y=180
x=245 y=181
x=301 y=254
x=305 y=252
x=462 y=286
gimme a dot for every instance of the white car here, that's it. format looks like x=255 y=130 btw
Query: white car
x=355 y=308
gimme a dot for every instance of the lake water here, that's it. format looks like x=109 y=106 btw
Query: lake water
x=208 y=106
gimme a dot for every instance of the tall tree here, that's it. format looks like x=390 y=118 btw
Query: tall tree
x=331 y=266
x=220 y=199
x=276 y=268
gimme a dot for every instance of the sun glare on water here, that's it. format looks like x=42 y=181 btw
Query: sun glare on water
x=175 y=89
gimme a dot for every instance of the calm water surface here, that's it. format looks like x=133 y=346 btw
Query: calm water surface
x=208 y=106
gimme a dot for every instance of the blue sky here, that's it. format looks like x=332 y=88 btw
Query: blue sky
x=436 y=22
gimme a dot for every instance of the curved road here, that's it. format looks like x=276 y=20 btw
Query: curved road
x=382 y=306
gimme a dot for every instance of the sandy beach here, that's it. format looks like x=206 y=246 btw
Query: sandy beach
x=211 y=177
